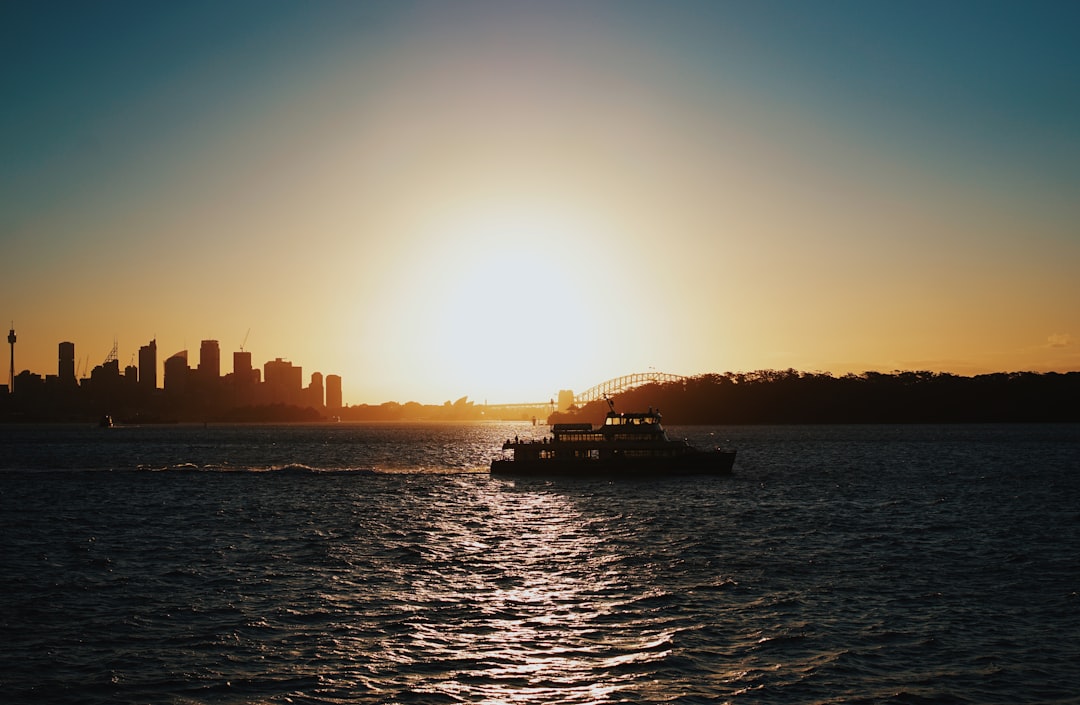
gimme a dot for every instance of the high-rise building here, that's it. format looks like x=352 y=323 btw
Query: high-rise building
x=176 y=372
x=314 y=393
x=209 y=360
x=148 y=365
x=241 y=364
x=244 y=375
x=333 y=392
x=66 y=368
x=284 y=381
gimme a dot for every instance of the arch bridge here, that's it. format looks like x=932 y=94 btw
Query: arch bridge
x=621 y=384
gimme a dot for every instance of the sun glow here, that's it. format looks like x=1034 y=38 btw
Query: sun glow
x=502 y=200
x=507 y=301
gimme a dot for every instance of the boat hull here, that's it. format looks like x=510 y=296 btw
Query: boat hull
x=704 y=463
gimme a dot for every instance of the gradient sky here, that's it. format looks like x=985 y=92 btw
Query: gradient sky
x=505 y=199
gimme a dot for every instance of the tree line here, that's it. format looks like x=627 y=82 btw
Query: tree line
x=793 y=397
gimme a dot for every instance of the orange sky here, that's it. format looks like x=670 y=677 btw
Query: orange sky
x=504 y=200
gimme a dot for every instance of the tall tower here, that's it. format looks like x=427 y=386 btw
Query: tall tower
x=210 y=360
x=66 y=368
x=11 y=375
x=176 y=373
x=315 y=393
x=148 y=365
x=333 y=392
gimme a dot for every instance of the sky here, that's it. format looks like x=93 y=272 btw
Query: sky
x=506 y=199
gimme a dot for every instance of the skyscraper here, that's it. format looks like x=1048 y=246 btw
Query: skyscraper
x=284 y=381
x=176 y=372
x=241 y=364
x=333 y=392
x=66 y=367
x=209 y=360
x=148 y=365
x=314 y=392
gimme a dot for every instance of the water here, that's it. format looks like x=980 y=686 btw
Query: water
x=375 y=564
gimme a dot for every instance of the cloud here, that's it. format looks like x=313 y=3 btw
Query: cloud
x=1059 y=340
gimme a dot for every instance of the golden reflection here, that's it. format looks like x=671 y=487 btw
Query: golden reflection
x=521 y=601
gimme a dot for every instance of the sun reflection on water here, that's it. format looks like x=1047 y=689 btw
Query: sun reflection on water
x=520 y=603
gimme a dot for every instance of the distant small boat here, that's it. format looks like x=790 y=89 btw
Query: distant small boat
x=626 y=445
x=106 y=421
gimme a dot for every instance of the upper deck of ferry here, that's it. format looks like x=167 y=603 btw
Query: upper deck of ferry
x=616 y=427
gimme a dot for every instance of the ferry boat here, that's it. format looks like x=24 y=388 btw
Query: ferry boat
x=625 y=445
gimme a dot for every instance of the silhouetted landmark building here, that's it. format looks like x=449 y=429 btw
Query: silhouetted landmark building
x=148 y=365
x=284 y=381
x=244 y=381
x=176 y=373
x=241 y=365
x=209 y=360
x=11 y=374
x=313 y=394
x=26 y=383
x=107 y=372
x=333 y=392
x=66 y=367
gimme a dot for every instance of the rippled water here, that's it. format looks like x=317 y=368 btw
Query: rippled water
x=374 y=564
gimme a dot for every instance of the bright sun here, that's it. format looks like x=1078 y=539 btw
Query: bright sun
x=512 y=298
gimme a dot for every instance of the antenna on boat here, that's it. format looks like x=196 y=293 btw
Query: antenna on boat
x=610 y=403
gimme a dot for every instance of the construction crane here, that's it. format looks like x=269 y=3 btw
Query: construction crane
x=242 y=344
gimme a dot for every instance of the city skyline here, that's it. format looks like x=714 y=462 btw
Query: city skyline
x=202 y=391
x=150 y=366
x=502 y=200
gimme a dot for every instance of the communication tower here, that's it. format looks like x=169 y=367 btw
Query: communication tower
x=11 y=374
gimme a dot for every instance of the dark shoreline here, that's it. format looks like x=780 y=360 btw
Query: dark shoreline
x=756 y=398
x=791 y=397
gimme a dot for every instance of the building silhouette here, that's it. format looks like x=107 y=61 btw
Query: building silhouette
x=313 y=394
x=148 y=366
x=11 y=374
x=176 y=373
x=209 y=361
x=284 y=381
x=241 y=365
x=132 y=394
x=333 y=392
x=65 y=370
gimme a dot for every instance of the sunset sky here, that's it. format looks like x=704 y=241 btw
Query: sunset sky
x=505 y=199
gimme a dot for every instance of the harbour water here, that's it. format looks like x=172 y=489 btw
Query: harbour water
x=380 y=564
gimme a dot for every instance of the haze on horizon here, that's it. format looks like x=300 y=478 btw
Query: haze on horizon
x=504 y=199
